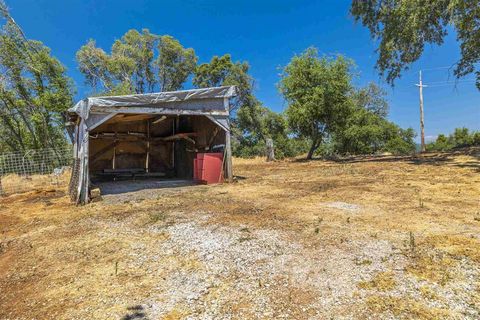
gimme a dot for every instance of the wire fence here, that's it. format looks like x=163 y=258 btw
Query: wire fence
x=34 y=170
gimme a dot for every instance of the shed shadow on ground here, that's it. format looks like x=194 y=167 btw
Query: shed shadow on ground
x=126 y=186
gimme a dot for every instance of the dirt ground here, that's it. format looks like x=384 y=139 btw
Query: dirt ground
x=364 y=238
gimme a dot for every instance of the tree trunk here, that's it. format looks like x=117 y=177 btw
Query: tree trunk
x=270 y=150
x=313 y=147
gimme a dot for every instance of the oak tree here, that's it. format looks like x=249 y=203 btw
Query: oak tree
x=318 y=92
x=404 y=27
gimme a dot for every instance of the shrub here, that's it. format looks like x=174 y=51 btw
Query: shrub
x=461 y=137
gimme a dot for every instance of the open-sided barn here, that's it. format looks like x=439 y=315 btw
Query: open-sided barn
x=156 y=135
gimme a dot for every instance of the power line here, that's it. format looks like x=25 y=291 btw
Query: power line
x=451 y=81
x=438 y=68
x=441 y=85
x=447 y=84
x=434 y=84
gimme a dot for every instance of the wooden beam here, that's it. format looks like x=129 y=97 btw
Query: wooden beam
x=113 y=135
x=178 y=136
x=160 y=119
x=131 y=118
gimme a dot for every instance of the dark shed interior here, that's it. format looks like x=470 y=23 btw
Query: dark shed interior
x=143 y=146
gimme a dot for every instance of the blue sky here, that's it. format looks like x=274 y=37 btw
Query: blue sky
x=264 y=33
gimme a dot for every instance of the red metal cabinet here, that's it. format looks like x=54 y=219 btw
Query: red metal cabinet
x=207 y=167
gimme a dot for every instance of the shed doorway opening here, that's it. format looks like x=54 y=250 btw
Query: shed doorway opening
x=151 y=147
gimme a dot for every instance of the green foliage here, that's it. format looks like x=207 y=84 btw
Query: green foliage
x=476 y=138
x=252 y=123
x=442 y=143
x=400 y=140
x=368 y=131
x=405 y=26
x=175 y=63
x=318 y=94
x=364 y=133
x=254 y=130
x=222 y=71
x=372 y=98
x=132 y=66
x=460 y=138
x=34 y=92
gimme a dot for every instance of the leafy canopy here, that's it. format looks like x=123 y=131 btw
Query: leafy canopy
x=138 y=63
x=372 y=98
x=248 y=122
x=34 y=91
x=258 y=123
x=318 y=91
x=367 y=129
x=222 y=71
x=405 y=26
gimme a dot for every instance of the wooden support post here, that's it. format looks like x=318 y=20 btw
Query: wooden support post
x=420 y=85
x=228 y=157
x=214 y=135
x=147 y=158
x=114 y=151
x=270 y=150
x=173 y=145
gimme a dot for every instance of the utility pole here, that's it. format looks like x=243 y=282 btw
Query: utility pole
x=422 y=124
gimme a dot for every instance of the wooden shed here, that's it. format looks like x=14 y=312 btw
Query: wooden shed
x=148 y=136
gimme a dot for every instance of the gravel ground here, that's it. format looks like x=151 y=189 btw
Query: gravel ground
x=220 y=272
x=224 y=267
x=133 y=190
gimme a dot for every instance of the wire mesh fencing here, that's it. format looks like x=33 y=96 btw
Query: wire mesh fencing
x=35 y=170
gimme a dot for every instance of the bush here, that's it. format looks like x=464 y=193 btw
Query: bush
x=285 y=147
x=460 y=138
x=368 y=133
x=476 y=138
x=399 y=146
x=443 y=143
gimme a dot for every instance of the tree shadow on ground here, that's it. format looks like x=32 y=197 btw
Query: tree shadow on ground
x=436 y=159
x=135 y=312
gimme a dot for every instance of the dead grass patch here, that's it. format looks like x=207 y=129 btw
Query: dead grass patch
x=428 y=293
x=456 y=245
x=14 y=183
x=405 y=308
x=432 y=266
x=383 y=281
x=437 y=256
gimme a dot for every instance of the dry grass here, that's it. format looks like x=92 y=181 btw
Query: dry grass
x=415 y=227
x=14 y=183
x=383 y=281
x=406 y=308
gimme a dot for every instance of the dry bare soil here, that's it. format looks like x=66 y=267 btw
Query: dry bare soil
x=364 y=238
